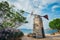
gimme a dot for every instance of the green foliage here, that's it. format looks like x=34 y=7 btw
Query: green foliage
x=10 y=16
x=21 y=11
x=55 y=24
x=18 y=34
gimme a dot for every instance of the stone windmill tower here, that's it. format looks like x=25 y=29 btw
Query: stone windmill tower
x=37 y=27
x=38 y=30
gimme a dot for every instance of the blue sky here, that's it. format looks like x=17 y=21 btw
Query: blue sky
x=41 y=7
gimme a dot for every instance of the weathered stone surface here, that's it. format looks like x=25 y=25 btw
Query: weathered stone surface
x=38 y=26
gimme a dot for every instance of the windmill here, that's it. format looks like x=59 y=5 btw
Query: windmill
x=38 y=30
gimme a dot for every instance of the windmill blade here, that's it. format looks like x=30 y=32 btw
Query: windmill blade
x=31 y=14
x=46 y=16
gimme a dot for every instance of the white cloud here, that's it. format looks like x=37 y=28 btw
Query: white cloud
x=56 y=6
x=45 y=2
x=3 y=0
x=23 y=4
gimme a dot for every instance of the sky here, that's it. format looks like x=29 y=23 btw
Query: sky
x=40 y=7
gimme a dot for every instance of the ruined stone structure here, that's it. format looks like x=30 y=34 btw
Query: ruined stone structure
x=38 y=27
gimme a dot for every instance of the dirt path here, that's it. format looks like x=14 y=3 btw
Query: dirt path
x=26 y=38
x=30 y=38
x=47 y=38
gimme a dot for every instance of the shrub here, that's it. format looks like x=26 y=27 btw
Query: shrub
x=8 y=34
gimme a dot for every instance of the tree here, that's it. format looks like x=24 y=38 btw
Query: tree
x=55 y=24
x=9 y=16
